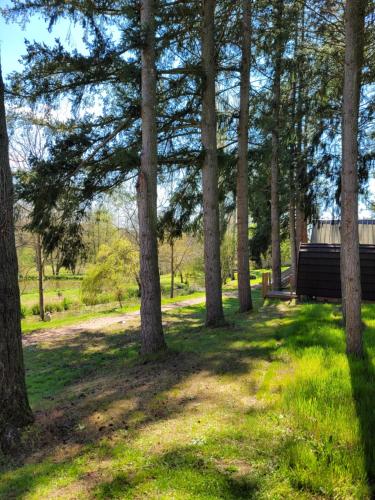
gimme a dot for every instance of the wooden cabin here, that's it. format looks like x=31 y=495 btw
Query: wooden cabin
x=318 y=269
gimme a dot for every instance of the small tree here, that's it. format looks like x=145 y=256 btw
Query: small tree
x=114 y=268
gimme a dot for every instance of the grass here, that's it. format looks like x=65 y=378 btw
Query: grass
x=72 y=317
x=56 y=292
x=269 y=407
x=257 y=280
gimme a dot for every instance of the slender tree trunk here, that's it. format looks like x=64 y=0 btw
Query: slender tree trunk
x=301 y=223
x=152 y=337
x=275 y=213
x=172 y=268
x=292 y=236
x=292 y=188
x=53 y=267
x=350 y=263
x=39 y=260
x=301 y=180
x=137 y=279
x=244 y=290
x=15 y=411
x=214 y=307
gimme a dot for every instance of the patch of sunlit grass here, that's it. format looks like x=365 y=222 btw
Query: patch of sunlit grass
x=267 y=407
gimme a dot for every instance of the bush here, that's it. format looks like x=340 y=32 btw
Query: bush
x=23 y=312
x=66 y=304
x=181 y=286
x=109 y=275
x=35 y=310
x=93 y=300
x=132 y=292
x=53 y=307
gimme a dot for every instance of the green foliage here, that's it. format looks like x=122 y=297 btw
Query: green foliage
x=115 y=267
x=53 y=307
x=35 y=309
x=66 y=304
x=23 y=312
x=228 y=255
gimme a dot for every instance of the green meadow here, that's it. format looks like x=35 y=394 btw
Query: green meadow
x=268 y=407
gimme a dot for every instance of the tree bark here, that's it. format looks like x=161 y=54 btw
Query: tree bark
x=275 y=214
x=292 y=188
x=15 y=411
x=152 y=336
x=244 y=290
x=214 y=307
x=39 y=260
x=172 y=269
x=301 y=224
x=292 y=236
x=350 y=264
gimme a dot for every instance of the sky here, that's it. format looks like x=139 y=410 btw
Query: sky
x=12 y=44
x=12 y=38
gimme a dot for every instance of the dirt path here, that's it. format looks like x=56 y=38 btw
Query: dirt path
x=94 y=324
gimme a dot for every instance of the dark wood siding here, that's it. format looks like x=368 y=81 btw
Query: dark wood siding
x=319 y=271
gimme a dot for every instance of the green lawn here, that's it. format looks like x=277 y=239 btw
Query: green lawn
x=269 y=407
x=58 y=290
x=72 y=317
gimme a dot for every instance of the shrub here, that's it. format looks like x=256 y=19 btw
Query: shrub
x=23 y=312
x=181 y=286
x=48 y=308
x=35 y=310
x=66 y=304
x=53 y=307
x=132 y=292
x=114 y=266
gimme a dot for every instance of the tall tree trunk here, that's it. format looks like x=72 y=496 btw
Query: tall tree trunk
x=39 y=260
x=172 y=269
x=152 y=337
x=244 y=290
x=292 y=188
x=275 y=213
x=301 y=223
x=292 y=236
x=214 y=306
x=15 y=411
x=301 y=181
x=350 y=264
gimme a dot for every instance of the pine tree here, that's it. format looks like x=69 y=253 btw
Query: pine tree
x=152 y=337
x=214 y=307
x=244 y=291
x=350 y=264
x=275 y=157
x=15 y=411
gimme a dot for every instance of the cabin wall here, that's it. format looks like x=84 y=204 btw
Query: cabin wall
x=319 y=271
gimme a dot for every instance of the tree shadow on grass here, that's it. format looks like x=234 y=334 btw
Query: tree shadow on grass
x=182 y=471
x=362 y=373
x=96 y=384
x=101 y=387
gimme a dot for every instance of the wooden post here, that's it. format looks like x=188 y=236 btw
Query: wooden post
x=265 y=284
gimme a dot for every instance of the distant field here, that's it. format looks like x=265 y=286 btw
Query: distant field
x=63 y=297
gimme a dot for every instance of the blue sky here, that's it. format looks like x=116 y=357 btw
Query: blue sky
x=12 y=38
